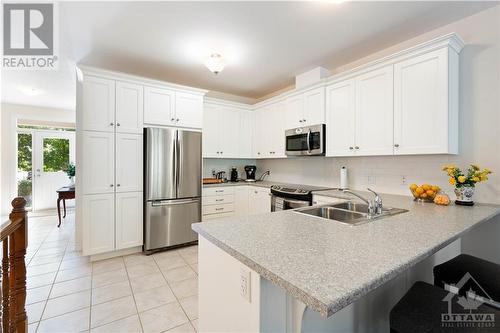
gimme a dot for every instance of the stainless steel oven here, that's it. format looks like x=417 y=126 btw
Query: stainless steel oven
x=284 y=198
x=306 y=141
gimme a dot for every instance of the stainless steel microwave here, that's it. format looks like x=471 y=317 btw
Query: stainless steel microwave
x=306 y=141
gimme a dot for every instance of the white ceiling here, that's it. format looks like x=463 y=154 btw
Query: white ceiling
x=266 y=43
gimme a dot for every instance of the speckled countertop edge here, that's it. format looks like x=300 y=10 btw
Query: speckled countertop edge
x=348 y=297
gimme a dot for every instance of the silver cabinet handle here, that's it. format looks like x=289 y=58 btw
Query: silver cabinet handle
x=304 y=120
x=219 y=191
x=222 y=152
x=219 y=209
x=300 y=120
x=396 y=145
x=117 y=184
x=177 y=120
x=117 y=124
x=351 y=148
x=172 y=119
x=219 y=200
x=217 y=152
x=111 y=185
x=111 y=124
x=356 y=147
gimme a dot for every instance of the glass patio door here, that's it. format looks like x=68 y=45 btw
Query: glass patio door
x=52 y=153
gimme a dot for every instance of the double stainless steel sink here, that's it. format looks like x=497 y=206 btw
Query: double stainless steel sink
x=348 y=212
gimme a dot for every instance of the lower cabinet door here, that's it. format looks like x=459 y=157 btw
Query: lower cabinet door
x=241 y=200
x=98 y=223
x=129 y=225
x=259 y=201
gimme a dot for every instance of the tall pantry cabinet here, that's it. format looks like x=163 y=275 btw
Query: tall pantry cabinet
x=110 y=153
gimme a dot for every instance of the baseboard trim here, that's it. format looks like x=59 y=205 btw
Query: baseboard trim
x=113 y=254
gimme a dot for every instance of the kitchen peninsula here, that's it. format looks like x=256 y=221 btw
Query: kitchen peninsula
x=297 y=273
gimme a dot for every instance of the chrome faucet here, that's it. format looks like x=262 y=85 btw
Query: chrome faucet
x=263 y=176
x=374 y=206
x=377 y=201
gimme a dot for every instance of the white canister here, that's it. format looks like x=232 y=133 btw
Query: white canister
x=343 y=178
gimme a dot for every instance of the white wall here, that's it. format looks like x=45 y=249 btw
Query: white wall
x=10 y=113
x=210 y=164
x=479 y=124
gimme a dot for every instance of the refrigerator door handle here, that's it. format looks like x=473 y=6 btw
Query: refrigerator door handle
x=172 y=202
x=178 y=154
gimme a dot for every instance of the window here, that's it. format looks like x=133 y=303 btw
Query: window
x=24 y=165
x=55 y=154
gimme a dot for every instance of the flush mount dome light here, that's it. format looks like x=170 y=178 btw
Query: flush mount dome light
x=215 y=63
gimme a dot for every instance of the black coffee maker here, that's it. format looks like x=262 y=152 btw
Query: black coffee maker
x=234 y=174
x=250 y=171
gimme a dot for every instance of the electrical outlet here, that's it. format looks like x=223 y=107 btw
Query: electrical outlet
x=403 y=180
x=245 y=284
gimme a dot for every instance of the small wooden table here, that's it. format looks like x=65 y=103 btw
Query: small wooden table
x=63 y=194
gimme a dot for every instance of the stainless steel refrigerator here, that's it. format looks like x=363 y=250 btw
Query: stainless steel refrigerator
x=173 y=186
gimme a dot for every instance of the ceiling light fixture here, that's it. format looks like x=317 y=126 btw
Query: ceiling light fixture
x=215 y=63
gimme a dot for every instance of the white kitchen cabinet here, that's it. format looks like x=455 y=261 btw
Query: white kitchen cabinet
x=188 y=110
x=98 y=161
x=129 y=162
x=241 y=200
x=306 y=108
x=360 y=115
x=129 y=107
x=245 y=135
x=98 y=104
x=129 y=219
x=225 y=135
x=159 y=106
x=374 y=112
x=426 y=104
x=269 y=131
x=99 y=227
x=341 y=119
x=259 y=200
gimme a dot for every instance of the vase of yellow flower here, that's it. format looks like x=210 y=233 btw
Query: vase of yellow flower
x=465 y=183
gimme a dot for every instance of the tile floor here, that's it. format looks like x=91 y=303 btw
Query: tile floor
x=135 y=293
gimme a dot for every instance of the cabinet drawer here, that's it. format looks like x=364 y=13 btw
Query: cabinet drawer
x=217 y=209
x=218 y=199
x=216 y=216
x=211 y=191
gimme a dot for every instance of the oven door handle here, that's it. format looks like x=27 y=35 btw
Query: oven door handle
x=295 y=201
x=309 y=141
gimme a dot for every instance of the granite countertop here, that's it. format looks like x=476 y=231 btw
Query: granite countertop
x=328 y=265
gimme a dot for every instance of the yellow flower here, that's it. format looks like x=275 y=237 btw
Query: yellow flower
x=475 y=179
x=452 y=181
x=483 y=178
x=475 y=167
x=448 y=167
x=486 y=171
x=450 y=172
x=462 y=179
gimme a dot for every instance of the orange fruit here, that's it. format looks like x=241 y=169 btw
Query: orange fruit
x=426 y=187
x=435 y=188
x=430 y=193
x=413 y=187
x=419 y=190
x=423 y=195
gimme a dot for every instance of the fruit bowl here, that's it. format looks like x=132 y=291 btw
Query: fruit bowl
x=424 y=192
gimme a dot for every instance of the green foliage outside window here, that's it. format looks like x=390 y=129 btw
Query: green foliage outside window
x=24 y=151
x=55 y=154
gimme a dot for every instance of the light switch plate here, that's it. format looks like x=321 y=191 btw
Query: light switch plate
x=245 y=284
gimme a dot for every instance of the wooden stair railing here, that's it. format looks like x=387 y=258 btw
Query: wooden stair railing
x=14 y=238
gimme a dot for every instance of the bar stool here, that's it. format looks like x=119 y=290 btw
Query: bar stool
x=422 y=309
x=464 y=271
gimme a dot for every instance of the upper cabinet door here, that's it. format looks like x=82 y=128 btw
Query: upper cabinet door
x=374 y=112
x=98 y=100
x=294 y=112
x=314 y=107
x=188 y=110
x=421 y=124
x=229 y=121
x=340 y=115
x=129 y=225
x=98 y=159
x=259 y=133
x=276 y=136
x=129 y=162
x=129 y=107
x=159 y=106
x=210 y=131
x=245 y=134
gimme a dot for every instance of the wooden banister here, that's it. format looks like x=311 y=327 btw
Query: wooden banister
x=14 y=238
